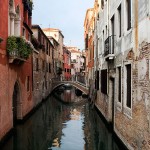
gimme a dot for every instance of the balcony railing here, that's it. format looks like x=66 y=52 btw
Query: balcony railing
x=18 y=49
x=109 y=47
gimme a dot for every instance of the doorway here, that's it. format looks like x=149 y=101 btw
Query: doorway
x=16 y=103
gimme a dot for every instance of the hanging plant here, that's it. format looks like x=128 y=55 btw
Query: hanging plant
x=11 y=44
x=19 y=47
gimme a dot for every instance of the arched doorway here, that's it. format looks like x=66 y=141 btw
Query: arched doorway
x=16 y=103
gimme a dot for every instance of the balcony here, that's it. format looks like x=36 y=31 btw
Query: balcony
x=109 y=48
x=18 y=49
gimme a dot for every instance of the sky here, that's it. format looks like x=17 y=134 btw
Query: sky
x=66 y=15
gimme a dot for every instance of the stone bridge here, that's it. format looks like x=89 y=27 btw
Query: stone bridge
x=76 y=84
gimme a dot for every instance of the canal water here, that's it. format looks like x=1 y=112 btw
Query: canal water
x=62 y=126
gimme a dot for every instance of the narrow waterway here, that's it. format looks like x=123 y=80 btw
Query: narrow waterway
x=59 y=126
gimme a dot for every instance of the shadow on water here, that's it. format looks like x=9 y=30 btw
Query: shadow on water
x=56 y=126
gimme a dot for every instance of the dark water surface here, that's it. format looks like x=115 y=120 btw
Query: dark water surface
x=57 y=126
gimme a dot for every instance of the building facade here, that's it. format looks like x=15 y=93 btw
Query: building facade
x=55 y=55
x=122 y=55
x=58 y=36
x=42 y=64
x=89 y=43
x=67 y=64
x=76 y=62
x=15 y=63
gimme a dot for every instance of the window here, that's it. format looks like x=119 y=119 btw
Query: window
x=102 y=4
x=128 y=6
x=28 y=83
x=113 y=32
x=86 y=42
x=103 y=40
x=104 y=81
x=23 y=32
x=106 y=31
x=128 y=85
x=119 y=20
x=119 y=84
x=49 y=68
x=97 y=79
x=47 y=48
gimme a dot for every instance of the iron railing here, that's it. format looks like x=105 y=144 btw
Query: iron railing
x=109 y=45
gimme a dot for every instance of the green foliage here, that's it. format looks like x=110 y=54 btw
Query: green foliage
x=11 y=44
x=31 y=5
x=19 y=47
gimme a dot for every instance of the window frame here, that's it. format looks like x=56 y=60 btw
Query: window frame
x=127 y=110
x=120 y=20
x=128 y=14
x=103 y=83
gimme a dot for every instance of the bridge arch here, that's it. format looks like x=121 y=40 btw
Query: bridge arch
x=75 y=84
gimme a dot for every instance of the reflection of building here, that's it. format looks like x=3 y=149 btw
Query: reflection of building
x=15 y=62
x=67 y=96
x=75 y=114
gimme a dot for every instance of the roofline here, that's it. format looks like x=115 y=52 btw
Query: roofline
x=54 y=29
x=39 y=28
x=90 y=9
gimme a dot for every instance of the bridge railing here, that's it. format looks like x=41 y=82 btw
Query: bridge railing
x=80 y=81
x=57 y=82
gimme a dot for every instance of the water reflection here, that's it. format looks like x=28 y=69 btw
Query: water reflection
x=56 y=126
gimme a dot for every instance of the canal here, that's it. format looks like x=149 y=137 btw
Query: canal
x=62 y=126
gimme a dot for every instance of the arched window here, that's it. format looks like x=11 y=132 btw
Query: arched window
x=11 y=17
x=17 y=22
x=14 y=19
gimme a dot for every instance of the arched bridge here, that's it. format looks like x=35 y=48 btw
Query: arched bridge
x=76 y=84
